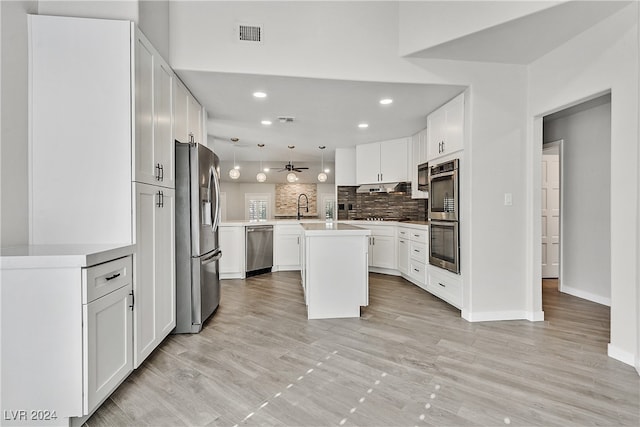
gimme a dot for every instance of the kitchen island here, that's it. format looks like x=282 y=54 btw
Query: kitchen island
x=334 y=270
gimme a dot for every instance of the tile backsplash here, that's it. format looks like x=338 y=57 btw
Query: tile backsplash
x=287 y=199
x=352 y=205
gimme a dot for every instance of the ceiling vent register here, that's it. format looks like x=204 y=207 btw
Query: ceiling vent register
x=250 y=33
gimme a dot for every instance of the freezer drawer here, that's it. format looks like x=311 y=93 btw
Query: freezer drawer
x=259 y=247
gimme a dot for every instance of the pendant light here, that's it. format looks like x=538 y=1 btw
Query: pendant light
x=235 y=172
x=291 y=176
x=322 y=177
x=261 y=176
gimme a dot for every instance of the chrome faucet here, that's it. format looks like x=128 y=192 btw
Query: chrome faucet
x=306 y=206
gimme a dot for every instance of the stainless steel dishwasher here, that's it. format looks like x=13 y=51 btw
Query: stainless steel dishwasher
x=259 y=249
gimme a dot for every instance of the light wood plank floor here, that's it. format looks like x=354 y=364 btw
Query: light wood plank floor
x=410 y=360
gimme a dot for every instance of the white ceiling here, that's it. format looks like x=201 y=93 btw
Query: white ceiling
x=526 y=39
x=327 y=112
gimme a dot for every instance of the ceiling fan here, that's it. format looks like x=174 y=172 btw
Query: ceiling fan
x=289 y=167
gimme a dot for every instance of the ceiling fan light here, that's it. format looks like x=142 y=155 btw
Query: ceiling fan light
x=322 y=177
x=291 y=177
x=234 y=173
x=261 y=177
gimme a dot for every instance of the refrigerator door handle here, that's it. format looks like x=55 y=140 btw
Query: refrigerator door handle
x=213 y=257
x=215 y=213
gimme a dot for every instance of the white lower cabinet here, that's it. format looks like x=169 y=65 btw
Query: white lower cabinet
x=108 y=339
x=231 y=240
x=403 y=255
x=154 y=262
x=65 y=354
x=286 y=249
x=382 y=247
x=445 y=285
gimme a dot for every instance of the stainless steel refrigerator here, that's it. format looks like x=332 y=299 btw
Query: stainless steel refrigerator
x=197 y=250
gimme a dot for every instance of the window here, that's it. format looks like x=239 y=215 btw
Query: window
x=329 y=205
x=257 y=207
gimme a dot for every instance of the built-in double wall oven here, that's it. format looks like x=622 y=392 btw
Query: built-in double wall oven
x=443 y=208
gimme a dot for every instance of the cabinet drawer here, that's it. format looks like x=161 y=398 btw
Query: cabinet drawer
x=445 y=286
x=102 y=279
x=418 y=251
x=404 y=232
x=418 y=271
x=419 y=236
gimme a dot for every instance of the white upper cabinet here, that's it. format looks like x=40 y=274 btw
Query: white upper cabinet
x=445 y=128
x=345 y=166
x=384 y=161
x=187 y=115
x=419 y=155
x=153 y=125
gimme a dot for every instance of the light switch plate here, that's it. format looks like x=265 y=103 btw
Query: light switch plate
x=508 y=199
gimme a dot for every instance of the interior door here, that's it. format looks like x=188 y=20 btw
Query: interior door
x=550 y=215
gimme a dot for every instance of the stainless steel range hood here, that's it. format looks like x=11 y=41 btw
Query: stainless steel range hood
x=389 y=187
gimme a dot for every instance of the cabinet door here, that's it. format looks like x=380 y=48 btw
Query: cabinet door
x=180 y=108
x=435 y=133
x=194 y=114
x=454 y=125
x=415 y=156
x=154 y=266
x=232 y=246
x=164 y=266
x=368 y=163
x=288 y=251
x=423 y=141
x=163 y=133
x=384 y=252
x=145 y=166
x=393 y=160
x=108 y=354
x=403 y=256
x=144 y=338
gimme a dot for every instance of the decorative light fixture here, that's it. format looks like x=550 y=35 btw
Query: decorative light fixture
x=386 y=101
x=291 y=176
x=322 y=176
x=261 y=176
x=363 y=125
x=259 y=94
x=235 y=172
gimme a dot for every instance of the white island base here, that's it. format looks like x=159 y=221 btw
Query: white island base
x=334 y=272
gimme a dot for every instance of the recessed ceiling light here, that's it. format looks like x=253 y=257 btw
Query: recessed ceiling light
x=386 y=101
x=266 y=122
x=363 y=125
x=259 y=94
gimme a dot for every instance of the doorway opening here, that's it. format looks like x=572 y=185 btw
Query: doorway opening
x=551 y=201
x=576 y=209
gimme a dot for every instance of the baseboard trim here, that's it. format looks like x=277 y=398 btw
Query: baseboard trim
x=490 y=316
x=586 y=295
x=535 y=316
x=621 y=355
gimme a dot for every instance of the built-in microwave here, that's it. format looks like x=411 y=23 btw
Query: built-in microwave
x=423 y=177
x=443 y=191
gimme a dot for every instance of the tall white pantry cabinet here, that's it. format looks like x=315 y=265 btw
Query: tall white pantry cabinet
x=102 y=154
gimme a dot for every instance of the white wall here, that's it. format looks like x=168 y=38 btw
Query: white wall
x=349 y=40
x=425 y=24
x=14 y=228
x=236 y=192
x=107 y=9
x=603 y=58
x=586 y=193
x=153 y=20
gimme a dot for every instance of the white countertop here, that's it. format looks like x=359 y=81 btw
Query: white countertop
x=60 y=256
x=333 y=228
x=421 y=225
